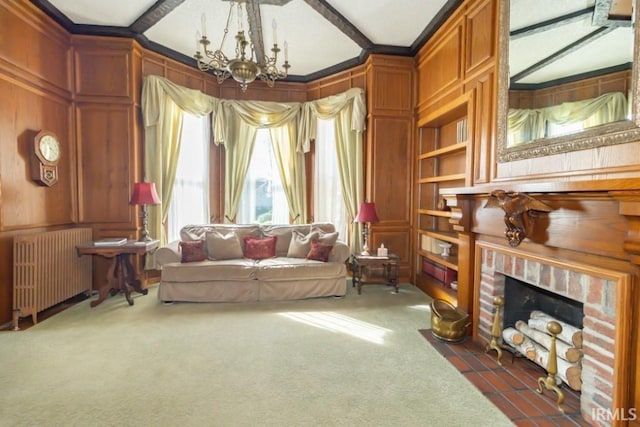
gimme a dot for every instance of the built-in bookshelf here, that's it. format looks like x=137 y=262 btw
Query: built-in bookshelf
x=443 y=160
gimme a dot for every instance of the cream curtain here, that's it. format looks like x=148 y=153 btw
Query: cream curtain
x=247 y=117
x=529 y=124
x=238 y=151
x=349 y=111
x=292 y=127
x=351 y=167
x=163 y=103
x=292 y=171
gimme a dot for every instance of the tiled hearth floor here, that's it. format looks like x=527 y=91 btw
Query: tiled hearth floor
x=510 y=387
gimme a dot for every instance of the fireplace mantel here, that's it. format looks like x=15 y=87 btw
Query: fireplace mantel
x=592 y=226
x=581 y=215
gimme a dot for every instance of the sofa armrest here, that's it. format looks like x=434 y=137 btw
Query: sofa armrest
x=168 y=253
x=340 y=252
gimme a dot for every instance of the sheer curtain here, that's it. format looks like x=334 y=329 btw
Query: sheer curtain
x=263 y=198
x=189 y=203
x=328 y=200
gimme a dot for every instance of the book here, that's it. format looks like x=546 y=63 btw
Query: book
x=111 y=241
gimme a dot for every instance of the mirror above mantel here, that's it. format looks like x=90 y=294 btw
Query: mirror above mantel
x=568 y=76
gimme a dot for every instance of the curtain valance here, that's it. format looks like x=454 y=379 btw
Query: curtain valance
x=532 y=123
x=329 y=108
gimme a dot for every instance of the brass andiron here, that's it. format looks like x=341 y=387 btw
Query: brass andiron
x=498 y=302
x=550 y=382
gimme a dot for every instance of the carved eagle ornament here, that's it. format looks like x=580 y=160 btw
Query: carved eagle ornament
x=515 y=205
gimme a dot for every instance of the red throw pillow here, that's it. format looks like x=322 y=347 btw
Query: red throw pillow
x=319 y=251
x=192 y=251
x=255 y=248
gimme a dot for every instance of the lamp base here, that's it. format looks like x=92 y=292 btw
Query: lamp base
x=144 y=238
x=144 y=234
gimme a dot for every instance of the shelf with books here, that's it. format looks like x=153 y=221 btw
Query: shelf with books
x=443 y=160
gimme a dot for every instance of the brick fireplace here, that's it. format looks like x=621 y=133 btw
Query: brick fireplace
x=605 y=295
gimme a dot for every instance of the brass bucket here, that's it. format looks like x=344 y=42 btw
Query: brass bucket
x=447 y=322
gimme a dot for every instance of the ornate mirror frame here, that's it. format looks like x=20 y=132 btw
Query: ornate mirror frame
x=615 y=133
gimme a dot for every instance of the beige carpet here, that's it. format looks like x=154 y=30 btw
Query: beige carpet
x=356 y=361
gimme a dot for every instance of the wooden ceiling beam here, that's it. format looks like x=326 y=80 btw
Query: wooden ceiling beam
x=551 y=23
x=340 y=22
x=255 y=29
x=155 y=13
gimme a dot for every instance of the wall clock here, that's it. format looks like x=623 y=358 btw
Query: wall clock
x=45 y=156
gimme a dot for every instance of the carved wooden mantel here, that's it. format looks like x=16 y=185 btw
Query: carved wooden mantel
x=583 y=218
x=629 y=207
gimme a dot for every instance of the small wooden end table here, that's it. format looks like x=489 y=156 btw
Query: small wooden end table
x=121 y=276
x=362 y=264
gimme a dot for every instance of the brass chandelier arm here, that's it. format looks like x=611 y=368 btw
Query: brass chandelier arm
x=243 y=68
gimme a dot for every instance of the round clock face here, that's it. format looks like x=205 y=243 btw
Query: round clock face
x=50 y=148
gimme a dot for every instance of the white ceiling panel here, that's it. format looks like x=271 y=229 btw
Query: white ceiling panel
x=119 y=13
x=394 y=23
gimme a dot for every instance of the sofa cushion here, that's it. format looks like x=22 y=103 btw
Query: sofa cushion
x=192 y=251
x=300 y=244
x=292 y=269
x=325 y=227
x=223 y=246
x=233 y=269
x=198 y=232
x=327 y=238
x=260 y=248
x=283 y=233
x=319 y=251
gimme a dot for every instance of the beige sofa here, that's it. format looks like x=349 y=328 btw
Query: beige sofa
x=234 y=278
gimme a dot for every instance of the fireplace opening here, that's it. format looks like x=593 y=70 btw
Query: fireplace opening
x=522 y=298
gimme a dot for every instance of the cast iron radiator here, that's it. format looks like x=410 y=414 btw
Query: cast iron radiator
x=48 y=271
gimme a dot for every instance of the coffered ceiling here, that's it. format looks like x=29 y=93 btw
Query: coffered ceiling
x=323 y=36
x=550 y=39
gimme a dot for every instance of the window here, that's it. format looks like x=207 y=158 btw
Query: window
x=263 y=200
x=190 y=199
x=328 y=201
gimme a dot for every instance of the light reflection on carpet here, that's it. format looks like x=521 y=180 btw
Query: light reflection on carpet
x=420 y=307
x=335 y=322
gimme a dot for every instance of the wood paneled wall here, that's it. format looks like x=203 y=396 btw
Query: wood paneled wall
x=619 y=81
x=87 y=90
x=36 y=93
x=389 y=150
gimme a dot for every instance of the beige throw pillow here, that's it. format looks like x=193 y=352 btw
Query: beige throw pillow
x=327 y=238
x=223 y=246
x=300 y=244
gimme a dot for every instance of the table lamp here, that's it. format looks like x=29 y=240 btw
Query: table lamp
x=366 y=214
x=144 y=193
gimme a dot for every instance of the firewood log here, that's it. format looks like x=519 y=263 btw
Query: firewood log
x=570 y=334
x=564 y=350
x=512 y=336
x=569 y=373
x=525 y=347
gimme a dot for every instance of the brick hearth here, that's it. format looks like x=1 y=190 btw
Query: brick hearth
x=598 y=290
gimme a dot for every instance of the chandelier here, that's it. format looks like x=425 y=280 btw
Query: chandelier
x=247 y=65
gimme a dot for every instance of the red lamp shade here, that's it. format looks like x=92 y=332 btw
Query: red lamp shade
x=367 y=213
x=144 y=193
